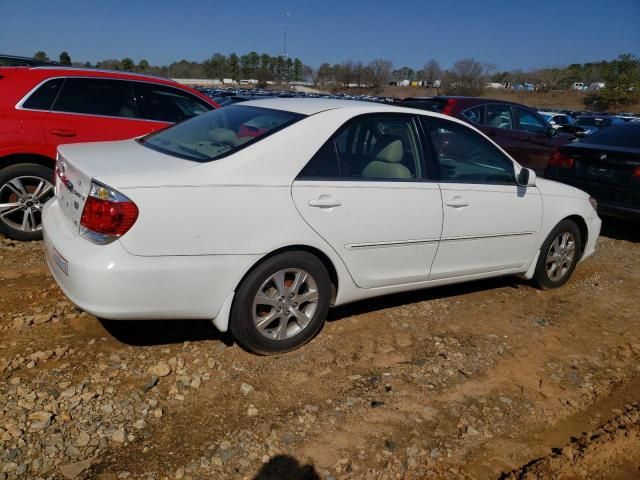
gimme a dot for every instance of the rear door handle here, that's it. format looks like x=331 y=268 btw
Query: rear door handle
x=325 y=201
x=457 y=202
x=60 y=132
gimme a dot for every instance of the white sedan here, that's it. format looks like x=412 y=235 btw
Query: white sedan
x=261 y=215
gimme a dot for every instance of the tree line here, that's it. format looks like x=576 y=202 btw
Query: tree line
x=465 y=77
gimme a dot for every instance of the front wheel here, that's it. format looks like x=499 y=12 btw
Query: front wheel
x=559 y=255
x=281 y=304
x=24 y=189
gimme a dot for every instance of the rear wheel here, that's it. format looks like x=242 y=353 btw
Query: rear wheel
x=24 y=189
x=559 y=255
x=281 y=304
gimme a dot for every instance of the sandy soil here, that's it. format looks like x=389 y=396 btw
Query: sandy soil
x=493 y=379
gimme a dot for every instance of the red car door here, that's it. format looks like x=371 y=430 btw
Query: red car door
x=95 y=109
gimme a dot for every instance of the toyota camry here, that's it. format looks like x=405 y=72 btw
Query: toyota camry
x=262 y=215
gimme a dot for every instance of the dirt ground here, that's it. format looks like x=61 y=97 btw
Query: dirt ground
x=488 y=380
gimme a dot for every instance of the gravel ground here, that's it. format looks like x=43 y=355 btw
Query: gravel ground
x=493 y=379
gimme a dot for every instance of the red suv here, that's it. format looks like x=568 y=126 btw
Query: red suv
x=43 y=107
x=521 y=131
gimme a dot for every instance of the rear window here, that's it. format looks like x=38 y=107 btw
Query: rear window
x=220 y=132
x=430 y=104
x=96 y=96
x=616 y=136
x=43 y=97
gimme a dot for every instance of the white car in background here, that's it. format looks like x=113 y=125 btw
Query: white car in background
x=556 y=120
x=261 y=215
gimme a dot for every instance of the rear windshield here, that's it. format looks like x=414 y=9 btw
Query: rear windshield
x=429 y=104
x=588 y=121
x=219 y=133
x=616 y=136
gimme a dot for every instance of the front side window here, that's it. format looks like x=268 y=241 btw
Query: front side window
x=96 y=96
x=528 y=122
x=498 y=116
x=166 y=104
x=561 y=120
x=220 y=132
x=369 y=148
x=465 y=157
x=43 y=97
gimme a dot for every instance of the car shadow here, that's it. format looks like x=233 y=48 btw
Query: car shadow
x=285 y=467
x=142 y=333
x=620 y=230
x=398 y=299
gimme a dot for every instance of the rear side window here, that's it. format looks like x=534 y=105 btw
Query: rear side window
x=220 y=132
x=465 y=157
x=43 y=97
x=96 y=96
x=371 y=148
x=166 y=104
x=498 y=116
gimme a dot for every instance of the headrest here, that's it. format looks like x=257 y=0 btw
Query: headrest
x=389 y=148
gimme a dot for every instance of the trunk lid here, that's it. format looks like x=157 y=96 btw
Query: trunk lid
x=111 y=163
x=602 y=164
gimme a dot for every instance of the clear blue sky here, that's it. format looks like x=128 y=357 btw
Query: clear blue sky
x=509 y=33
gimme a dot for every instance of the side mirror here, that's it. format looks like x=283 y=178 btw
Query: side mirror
x=527 y=178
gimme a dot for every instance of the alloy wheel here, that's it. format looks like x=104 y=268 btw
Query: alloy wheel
x=560 y=256
x=21 y=202
x=285 y=304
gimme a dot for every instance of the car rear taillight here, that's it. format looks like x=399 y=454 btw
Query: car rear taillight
x=636 y=172
x=107 y=215
x=559 y=159
x=448 y=108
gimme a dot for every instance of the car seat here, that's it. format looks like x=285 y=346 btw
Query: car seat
x=388 y=154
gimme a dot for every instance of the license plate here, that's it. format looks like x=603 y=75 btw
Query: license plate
x=60 y=261
x=601 y=172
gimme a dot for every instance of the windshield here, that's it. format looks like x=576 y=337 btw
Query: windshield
x=219 y=133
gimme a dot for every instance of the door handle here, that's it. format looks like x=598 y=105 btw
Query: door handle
x=60 y=132
x=457 y=202
x=325 y=201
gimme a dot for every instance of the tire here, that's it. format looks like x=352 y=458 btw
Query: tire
x=294 y=308
x=563 y=247
x=27 y=187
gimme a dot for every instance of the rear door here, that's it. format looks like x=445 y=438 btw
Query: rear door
x=95 y=109
x=490 y=224
x=364 y=192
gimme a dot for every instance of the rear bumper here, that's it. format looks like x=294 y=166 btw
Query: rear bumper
x=109 y=282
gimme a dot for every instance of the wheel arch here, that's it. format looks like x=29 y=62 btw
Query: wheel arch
x=584 y=230
x=35 y=158
x=323 y=257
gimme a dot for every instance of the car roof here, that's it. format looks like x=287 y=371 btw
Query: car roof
x=311 y=106
x=544 y=112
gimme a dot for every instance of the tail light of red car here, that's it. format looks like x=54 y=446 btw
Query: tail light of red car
x=448 y=108
x=558 y=159
x=107 y=215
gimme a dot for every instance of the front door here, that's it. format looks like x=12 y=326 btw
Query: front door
x=490 y=224
x=364 y=193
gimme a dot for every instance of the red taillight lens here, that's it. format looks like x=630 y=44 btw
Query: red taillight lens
x=560 y=160
x=448 y=108
x=636 y=172
x=107 y=215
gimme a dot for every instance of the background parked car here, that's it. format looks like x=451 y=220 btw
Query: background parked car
x=592 y=124
x=606 y=165
x=562 y=122
x=43 y=107
x=518 y=129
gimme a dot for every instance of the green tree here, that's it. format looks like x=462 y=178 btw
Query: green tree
x=41 y=56
x=65 y=59
x=622 y=84
x=298 y=70
x=127 y=64
x=233 y=66
x=216 y=66
x=143 y=66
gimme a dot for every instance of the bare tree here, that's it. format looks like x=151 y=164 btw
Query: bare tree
x=432 y=71
x=467 y=76
x=380 y=71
